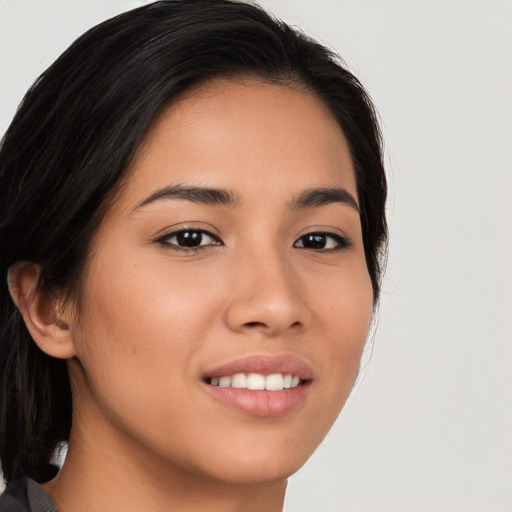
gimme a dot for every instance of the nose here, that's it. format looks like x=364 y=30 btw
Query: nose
x=267 y=297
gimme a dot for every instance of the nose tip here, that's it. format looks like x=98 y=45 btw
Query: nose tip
x=251 y=316
x=269 y=302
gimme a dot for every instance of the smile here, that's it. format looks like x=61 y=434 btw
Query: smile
x=257 y=381
x=259 y=385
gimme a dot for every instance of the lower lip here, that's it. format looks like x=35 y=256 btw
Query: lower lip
x=261 y=402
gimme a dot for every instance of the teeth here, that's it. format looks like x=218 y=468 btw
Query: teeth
x=256 y=381
x=274 y=382
x=239 y=380
x=224 y=382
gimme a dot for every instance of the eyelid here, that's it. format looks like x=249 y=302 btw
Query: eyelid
x=186 y=226
x=343 y=241
x=175 y=230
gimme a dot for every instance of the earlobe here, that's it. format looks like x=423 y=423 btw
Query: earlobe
x=40 y=310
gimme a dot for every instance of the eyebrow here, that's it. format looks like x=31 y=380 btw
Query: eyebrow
x=315 y=197
x=199 y=195
x=309 y=198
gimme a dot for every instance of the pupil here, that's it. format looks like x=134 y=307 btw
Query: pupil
x=189 y=238
x=315 y=241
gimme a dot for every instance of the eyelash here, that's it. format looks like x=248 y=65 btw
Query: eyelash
x=164 y=240
x=341 y=241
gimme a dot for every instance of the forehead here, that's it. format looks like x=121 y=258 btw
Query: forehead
x=249 y=136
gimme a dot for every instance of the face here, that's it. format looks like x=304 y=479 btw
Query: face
x=231 y=260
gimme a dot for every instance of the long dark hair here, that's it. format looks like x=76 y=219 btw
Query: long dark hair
x=73 y=137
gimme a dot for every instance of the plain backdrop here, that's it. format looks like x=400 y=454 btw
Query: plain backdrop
x=429 y=428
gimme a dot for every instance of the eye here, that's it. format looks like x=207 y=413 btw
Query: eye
x=323 y=242
x=189 y=239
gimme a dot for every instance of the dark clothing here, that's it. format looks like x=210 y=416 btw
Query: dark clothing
x=26 y=495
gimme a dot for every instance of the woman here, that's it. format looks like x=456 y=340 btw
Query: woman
x=192 y=231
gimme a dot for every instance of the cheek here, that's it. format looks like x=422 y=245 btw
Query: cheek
x=140 y=324
x=344 y=304
x=142 y=335
x=344 y=312
x=146 y=298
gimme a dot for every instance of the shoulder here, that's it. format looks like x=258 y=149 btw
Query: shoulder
x=15 y=497
x=26 y=495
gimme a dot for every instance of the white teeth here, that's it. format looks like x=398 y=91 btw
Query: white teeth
x=239 y=380
x=274 y=382
x=256 y=381
x=224 y=382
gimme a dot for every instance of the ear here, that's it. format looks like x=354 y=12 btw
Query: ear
x=44 y=317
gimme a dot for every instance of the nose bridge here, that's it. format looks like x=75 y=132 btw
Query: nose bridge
x=267 y=293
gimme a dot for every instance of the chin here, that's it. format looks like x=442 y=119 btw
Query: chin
x=257 y=470
x=265 y=459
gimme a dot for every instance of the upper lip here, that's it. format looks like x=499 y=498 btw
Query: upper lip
x=264 y=365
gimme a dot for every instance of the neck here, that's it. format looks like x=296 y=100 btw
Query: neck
x=110 y=474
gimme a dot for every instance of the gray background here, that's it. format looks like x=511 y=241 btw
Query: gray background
x=429 y=428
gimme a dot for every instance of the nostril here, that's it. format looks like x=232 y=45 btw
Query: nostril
x=255 y=324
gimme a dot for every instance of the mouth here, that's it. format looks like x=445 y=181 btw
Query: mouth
x=264 y=386
x=257 y=381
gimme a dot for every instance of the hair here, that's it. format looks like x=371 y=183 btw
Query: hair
x=73 y=137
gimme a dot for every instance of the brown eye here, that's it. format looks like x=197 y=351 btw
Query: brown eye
x=190 y=239
x=322 y=241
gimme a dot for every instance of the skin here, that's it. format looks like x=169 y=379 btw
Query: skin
x=153 y=318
